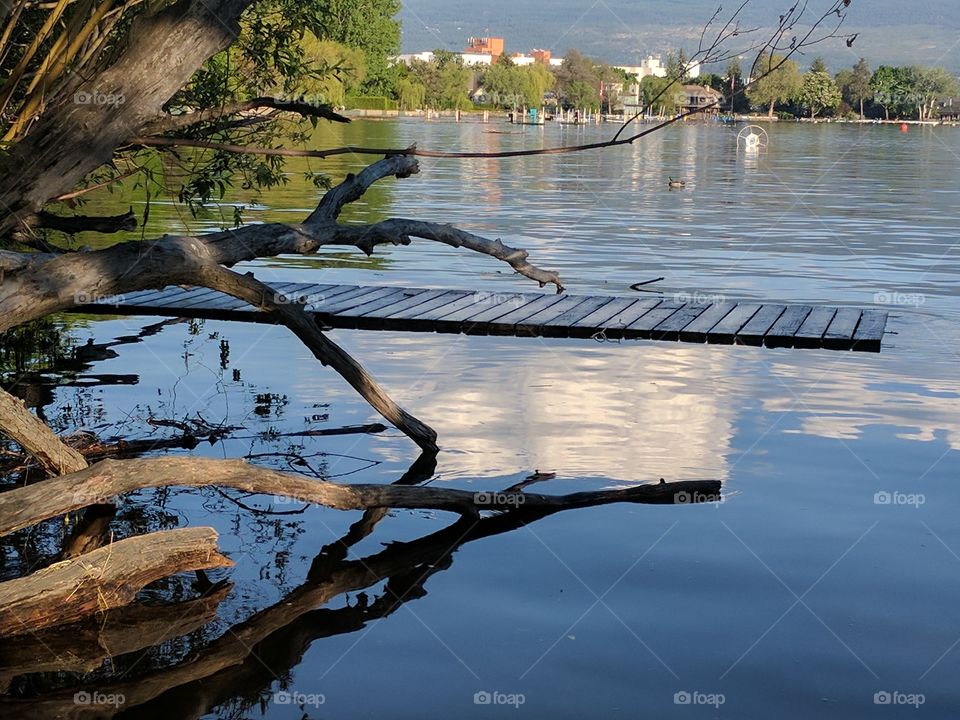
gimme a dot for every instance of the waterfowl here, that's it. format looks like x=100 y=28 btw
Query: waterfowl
x=677 y=183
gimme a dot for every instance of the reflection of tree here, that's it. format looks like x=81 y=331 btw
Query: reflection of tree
x=232 y=672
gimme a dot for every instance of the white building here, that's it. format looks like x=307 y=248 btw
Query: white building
x=653 y=65
x=476 y=58
x=520 y=59
x=408 y=58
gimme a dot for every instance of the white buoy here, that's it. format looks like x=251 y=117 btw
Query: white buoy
x=752 y=139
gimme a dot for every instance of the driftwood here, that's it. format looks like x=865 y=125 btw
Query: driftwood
x=106 y=578
x=36 y=438
x=30 y=505
x=82 y=647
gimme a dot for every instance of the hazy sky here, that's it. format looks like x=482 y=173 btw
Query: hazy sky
x=620 y=31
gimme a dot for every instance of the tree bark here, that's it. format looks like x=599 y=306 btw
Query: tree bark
x=33 y=435
x=106 y=578
x=73 y=138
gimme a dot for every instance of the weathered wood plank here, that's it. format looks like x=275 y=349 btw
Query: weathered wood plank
x=644 y=325
x=869 y=332
x=670 y=328
x=533 y=325
x=560 y=326
x=726 y=330
x=839 y=335
x=506 y=324
x=420 y=305
x=759 y=325
x=589 y=324
x=811 y=332
x=615 y=326
x=698 y=329
x=783 y=330
x=381 y=304
x=349 y=300
x=444 y=314
x=490 y=308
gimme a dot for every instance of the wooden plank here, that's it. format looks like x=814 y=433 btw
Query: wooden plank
x=158 y=297
x=754 y=331
x=490 y=308
x=376 y=317
x=346 y=300
x=506 y=324
x=381 y=302
x=561 y=325
x=670 y=328
x=588 y=325
x=614 y=327
x=463 y=304
x=783 y=330
x=423 y=306
x=726 y=330
x=839 y=335
x=533 y=325
x=643 y=326
x=697 y=330
x=869 y=332
x=811 y=332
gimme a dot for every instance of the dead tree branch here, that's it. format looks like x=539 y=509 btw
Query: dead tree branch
x=106 y=578
x=30 y=505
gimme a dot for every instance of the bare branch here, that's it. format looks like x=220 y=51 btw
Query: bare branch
x=185 y=120
x=30 y=505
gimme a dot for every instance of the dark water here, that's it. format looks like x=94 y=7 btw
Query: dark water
x=803 y=594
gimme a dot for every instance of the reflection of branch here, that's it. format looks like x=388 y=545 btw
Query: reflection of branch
x=82 y=648
x=257 y=652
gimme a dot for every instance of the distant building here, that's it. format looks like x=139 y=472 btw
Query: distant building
x=477 y=58
x=653 y=65
x=950 y=109
x=542 y=56
x=521 y=59
x=697 y=97
x=492 y=46
x=408 y=58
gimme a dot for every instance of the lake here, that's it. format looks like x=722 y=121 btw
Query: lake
x=826 y=582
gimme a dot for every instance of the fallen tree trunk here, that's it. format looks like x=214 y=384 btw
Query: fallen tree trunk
x=106 y=578
x=30 y=505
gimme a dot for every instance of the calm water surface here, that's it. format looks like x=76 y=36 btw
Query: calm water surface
x=800 y=595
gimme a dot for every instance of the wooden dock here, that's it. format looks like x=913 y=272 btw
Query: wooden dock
x=532 y=314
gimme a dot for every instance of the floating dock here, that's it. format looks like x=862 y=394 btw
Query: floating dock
x=472 y=312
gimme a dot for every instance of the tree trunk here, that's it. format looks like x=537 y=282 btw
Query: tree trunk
x=770 y=114
x=106 y=578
